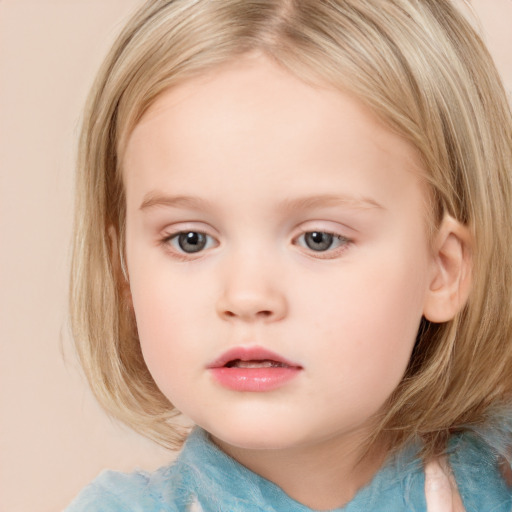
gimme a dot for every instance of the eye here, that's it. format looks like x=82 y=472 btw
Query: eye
x=190 y=242
x=321 y=241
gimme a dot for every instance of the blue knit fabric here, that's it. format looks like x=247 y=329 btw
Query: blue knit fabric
x=205 y=479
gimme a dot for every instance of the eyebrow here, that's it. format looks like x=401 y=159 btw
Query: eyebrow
x=326 y=200
x=153 y=199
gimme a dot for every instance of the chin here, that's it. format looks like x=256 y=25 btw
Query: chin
x=255 y=435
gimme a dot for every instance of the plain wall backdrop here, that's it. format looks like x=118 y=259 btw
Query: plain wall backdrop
x=53 y=436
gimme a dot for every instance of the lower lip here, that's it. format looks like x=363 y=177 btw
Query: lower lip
x=254 y=379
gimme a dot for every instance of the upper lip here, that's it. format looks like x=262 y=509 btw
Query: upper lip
x=251 y=354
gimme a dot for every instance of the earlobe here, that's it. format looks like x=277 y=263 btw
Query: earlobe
x=450 y=281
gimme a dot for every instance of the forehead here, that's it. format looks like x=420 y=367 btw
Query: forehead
x=252 y=118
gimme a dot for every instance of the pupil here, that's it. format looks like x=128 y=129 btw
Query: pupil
x=318 y=241
x=192 y=242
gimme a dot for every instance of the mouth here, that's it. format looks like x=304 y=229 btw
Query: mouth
x=252 y=357
x=253 y=369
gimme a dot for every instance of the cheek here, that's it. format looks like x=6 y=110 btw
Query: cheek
x=173 y=314
x=369 y=321
x=163 y=300
x=160 y=313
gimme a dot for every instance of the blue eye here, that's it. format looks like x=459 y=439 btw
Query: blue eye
x=189 y=242
x=321 y=241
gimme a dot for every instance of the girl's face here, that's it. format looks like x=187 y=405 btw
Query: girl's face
x=277 y=255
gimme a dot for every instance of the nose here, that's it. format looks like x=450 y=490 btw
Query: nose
x=251 y=292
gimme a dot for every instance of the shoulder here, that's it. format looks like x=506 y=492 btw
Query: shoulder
x=476 y=467
x=139 y=491
x=172 y=488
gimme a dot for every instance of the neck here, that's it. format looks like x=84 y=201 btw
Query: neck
x=321 y=476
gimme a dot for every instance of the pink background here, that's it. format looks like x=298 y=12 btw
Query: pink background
x=53 y=437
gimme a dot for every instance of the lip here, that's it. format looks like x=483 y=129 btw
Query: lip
x=253 y=379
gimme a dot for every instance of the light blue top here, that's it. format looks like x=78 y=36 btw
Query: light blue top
x=205 y=479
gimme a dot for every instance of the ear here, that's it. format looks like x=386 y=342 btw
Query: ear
x=450 y=281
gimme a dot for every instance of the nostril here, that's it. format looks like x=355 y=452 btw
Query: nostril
x=265 y=313
x=259 y=314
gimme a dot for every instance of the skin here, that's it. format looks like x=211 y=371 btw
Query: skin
x=441 y=491
x=248 y=142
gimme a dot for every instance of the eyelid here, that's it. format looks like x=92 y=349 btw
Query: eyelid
x=327 y=226
x=330 y=253
x=191 y=226
x=170 y=234
x=341 y=238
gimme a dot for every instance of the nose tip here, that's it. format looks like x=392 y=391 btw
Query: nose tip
x=264 y=306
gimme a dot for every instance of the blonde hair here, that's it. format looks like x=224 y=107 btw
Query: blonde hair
x=422 y=68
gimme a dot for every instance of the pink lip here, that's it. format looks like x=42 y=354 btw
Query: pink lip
x=253 y=379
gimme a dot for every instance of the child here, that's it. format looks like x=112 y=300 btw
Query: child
x=293 y=226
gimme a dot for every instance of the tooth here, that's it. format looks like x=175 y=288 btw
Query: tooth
x=254 y=364
x=257 y=364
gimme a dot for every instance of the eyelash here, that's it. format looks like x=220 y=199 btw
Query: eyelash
x=343 y=244
x=329 y=253
x=167 y=243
